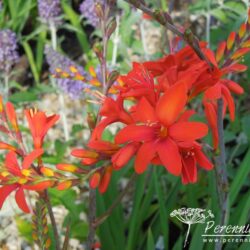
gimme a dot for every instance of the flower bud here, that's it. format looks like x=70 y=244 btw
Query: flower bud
x=113 y=77
x=47 y=171
x=67 y=167
x=95 y=180
x=64 y=185
x=111 y=27
x=99 y=10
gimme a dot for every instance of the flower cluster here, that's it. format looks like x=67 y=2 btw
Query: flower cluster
x=153 y=104
x=73 y=87
x=21 y=170
x=50 y=11
x=8 y=50
x=87 y=9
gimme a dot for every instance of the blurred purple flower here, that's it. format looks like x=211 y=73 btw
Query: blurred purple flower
x=50 y=11
x=56 y=60
x=8 y=50
x=87 y=9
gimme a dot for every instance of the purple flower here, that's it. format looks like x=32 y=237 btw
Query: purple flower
x=87 y=9
x=56 y=60
x=50 y=11
x=8 y=50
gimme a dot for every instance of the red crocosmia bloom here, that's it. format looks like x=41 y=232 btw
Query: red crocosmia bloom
x=139 y=82
x=11 y=114
x=13 y=178
x=112 y=111
x=39 y=125
x=160 y=135
x=192 y=155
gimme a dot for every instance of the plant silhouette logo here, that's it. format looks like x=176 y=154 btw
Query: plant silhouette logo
x=191 y=216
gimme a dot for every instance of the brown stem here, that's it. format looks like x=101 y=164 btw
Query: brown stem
x=161 y=18
x=103 y=61
x=104 y=216
x=52 y=219
x=221 y=171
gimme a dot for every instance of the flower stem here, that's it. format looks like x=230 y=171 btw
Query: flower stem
x=52 y=219
x=6 y=86
x=186 y=239
x=221 y=171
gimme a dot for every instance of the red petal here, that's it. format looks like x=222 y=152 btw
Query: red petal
x=235 y=87
x=202 y=160
x=189 y=171
x=171 y=104
x=186 y=115
x=230 y=102
x=12 y=164
x=211 y=115
x=21 y=201
x=122 y=157
x=144 y=155
x=105 y=180
x=4 y=193
x=29 y=159
x=220 y=51
x=170 y=156
x=144 y=112
x=134 y=133
x=95 y=180
x=39 y=186
x=188 y=131
x=231 y=40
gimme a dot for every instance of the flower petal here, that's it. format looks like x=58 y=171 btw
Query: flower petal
x=134 y=133
x=28 y=160
x=144 y=111
x=189 y=171
x=171 y=104
x=4 y=193
x=123 y=156
x=12 y=164
x=202 y=160
x=188 y=131
x=145 y=154
x=230 y=102
x=170 y=156
x=21 y=201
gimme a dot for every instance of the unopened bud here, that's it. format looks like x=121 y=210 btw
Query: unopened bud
x=91 y=119
x=64 y=185
x=111 y=27
x=113 y=77
x=98 y=51
x=1 y=104
x=99 y=10
x=47 y=171
x=95 y=180
x=67 y=167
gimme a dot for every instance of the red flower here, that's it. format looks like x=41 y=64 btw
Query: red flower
x=39 y=125
x=191 y=156
x=16 y=178
x=159 y=129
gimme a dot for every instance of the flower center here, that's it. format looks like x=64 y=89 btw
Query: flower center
x=163 y=132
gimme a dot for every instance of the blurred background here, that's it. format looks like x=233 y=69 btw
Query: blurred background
x=36 y=38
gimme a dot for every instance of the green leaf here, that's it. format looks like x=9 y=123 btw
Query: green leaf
x=23 y=96
x=240 y=178
x=150 y=240
x=24 y=228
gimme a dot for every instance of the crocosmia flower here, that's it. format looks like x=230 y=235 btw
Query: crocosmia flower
x=39 y=124
x=159 y=129
x=16 y=178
